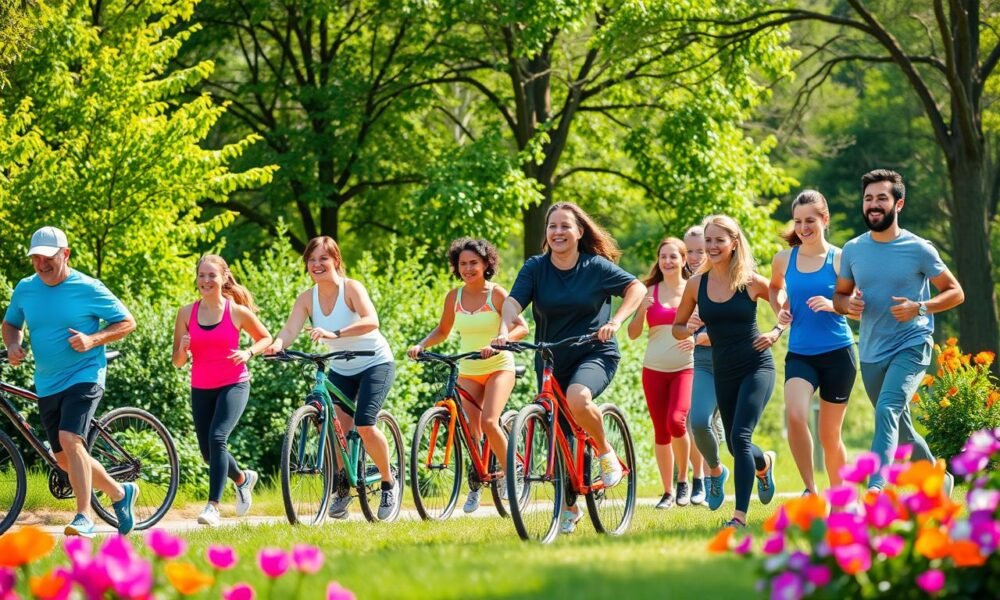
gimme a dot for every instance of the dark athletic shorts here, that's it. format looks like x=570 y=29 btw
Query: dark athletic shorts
x=69 y=410
x=832 y=373
x=594 y=372
x=368 y=389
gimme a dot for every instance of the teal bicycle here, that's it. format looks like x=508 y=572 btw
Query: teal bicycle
x=313 y=467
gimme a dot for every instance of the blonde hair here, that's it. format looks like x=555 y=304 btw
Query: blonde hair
x=741 y=264
x=595 y=240
x=655 y=274
x=230 y=289
x=330 y=245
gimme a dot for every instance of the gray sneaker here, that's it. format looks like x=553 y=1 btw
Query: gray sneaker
x=683 y=493
x=472 y=502
x=388 y=504
x=244 y=492
x=339 y=504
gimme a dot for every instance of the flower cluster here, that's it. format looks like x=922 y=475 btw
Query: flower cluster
x=961 y=397
x=120 y=570
x=909 y=541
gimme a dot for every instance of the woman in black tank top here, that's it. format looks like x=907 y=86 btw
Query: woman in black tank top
x=726 y=292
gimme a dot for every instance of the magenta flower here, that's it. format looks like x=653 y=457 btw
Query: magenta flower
x=129 y=574
x=903 y=452
x=853 y=558
x=798 y=560
x=781 y=522
x=77 y=549
x=889 y=545
x=919 y=502
x=931 y=581
x=985 y=500
x=969 y=462
x=221 y=557
x=7 y=581
x=985 y=532
x=307 y=559
x=983 y=441
x=842 y=495
x=861 y=469
x=817 y=575
x=273 y=562
x=164 y=544
x=334 y=591
x=787 y=586
x=893 y=471
x=882 y=512
x=848 y=523
x=744 y=546
x=774 y=544
x=240 y=591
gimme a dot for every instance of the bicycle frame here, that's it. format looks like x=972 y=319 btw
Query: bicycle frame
x=21 y=424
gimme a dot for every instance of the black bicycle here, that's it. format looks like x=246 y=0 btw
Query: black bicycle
x=130 y=443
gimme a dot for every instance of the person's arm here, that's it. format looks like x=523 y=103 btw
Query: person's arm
x=358 y=301
x=509 y=314
x=950 y=294
x=689 y=301
x=182 y=338
x=777 y=296
x=12 y=339
x=441 y=331
x=82 y=342
x=639 y=318
x=520 y=296
x=847 y=299
x=631 y=299
x=293 y=325
x=248 y=322
x=759 y=288
x=520 y=328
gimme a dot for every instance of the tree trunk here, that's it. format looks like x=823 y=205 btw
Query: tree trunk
x=538 y=97
x=534 y=222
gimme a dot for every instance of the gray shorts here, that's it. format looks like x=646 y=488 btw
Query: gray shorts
x=69 y=410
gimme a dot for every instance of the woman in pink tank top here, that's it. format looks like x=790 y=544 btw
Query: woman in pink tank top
x=667 y=368
x=208 y=332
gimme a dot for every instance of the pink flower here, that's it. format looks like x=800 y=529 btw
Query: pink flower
x=864 y=466
x=164 y=544
x=931 y=581
x=130 y=575
x=221 y=557
x=7 y=581
x=842 y=495
x=853 y=558
x=985 y=532
x=881 y=512
x=334 y=591
x=893 y=471
x=744 y=546
x=969 y=462
x=273 y=562
x=818 y=575
x=307 y=559
x=985 y=500
x=240 y=591
x=774 y=544
x=889 y=545
x=919 y=502
x=904 y=452
x=787 y=586
x=798 y=560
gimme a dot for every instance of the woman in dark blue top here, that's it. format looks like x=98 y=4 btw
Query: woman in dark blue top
x=820 y=343
x=726 y=292
x=569 y=287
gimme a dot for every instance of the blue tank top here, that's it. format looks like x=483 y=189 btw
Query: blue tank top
x=814 y=332
x=732 y=327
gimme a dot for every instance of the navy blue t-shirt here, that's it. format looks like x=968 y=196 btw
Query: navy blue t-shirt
x=570 y=303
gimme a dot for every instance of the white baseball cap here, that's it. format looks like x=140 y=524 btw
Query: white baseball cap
x=47 y=241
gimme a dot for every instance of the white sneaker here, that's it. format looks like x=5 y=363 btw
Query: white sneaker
x=209 y=516
x=611 y=469
x=472 y=502
x=569 y=518
x=244 y=493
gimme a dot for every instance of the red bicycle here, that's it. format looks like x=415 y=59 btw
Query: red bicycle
x=554 y=465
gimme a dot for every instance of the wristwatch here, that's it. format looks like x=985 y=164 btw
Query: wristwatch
x=922 y=309
x=336 y=333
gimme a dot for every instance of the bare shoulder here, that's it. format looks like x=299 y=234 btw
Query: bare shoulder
x=184 y=312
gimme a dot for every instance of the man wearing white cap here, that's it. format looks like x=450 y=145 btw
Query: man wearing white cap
x=64 y=308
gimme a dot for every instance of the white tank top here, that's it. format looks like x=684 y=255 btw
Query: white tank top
x=341 y=317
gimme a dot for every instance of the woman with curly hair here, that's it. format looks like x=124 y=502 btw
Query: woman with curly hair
x=473 y=310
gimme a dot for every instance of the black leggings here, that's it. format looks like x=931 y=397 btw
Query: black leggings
x=741 y=402
x=216 y=412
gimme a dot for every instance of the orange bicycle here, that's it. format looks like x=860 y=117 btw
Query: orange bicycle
x=555 y=467
x=436 y=465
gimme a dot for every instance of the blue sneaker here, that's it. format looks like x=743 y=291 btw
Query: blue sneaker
x=124 y=508
x=81 y=526
x=765 y=480
x=717 y=489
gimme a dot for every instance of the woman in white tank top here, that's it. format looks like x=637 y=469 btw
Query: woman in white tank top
x=343 y=318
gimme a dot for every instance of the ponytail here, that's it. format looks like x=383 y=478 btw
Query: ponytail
x=230 y=289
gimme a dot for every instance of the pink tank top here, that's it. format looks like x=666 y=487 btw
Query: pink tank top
x=659 y=314
x=210 y=368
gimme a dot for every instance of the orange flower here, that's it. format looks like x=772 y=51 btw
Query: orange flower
x=965 y=553
x=953 y=365
x=951 y=342
x=928 y=381
x=925 y=476
x=966 y=359
x=945 y=403
x=187 y=579
x=992 y=398
x=916 y=398
x=803 y=511
x=26 y=545
x=940 y=372
x=50 y=585
x=932 y=543
x=720 y=543
x=952 y=391
x=985 y=358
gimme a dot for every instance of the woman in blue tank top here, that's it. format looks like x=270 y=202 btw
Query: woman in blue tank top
x=820 y=345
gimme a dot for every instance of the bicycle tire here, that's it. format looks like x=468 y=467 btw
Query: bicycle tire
x=370 y=494
x=135 y=446
x=305 y=488
x=13 y=482
x=435 y=487
x=506 y=420
x=536 y=516
x=611 y=510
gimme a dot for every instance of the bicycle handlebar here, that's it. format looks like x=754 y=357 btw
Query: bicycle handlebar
x=579 y=340
x=448 y=359
x=293 y=355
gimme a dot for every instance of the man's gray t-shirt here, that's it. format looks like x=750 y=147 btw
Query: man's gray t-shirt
x=881 y=270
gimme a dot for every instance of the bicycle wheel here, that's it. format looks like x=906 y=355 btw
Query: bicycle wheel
x=305 y=487
x=13 y=482
x=536 y=515
x=435 y=483
x=500 y=483
x=369 y=479
x=611 y=509
x=133 y=445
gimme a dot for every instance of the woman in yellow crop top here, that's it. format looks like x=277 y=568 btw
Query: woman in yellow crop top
x=472 y=309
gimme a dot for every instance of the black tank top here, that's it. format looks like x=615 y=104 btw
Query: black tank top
x=732 y=327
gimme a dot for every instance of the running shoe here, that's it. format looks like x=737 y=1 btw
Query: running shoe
x=667 y=501
x=683 y=493
x=765 y=480
x=244 y=492
x=210 y=516
x=472 y=502
x=125 y=508
x=697 y=491
x=717 y=489
x=81 y=526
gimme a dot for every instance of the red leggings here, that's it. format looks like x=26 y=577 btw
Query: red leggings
x=668 y=397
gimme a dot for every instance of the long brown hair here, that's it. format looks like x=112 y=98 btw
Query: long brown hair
x=655 y=274
x=806 y=197
x=741 y=265
x=596 y=240
x=330 y=245
x=230 y=289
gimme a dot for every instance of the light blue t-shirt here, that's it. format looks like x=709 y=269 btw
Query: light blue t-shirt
x=79 y=302
x=881 y=270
